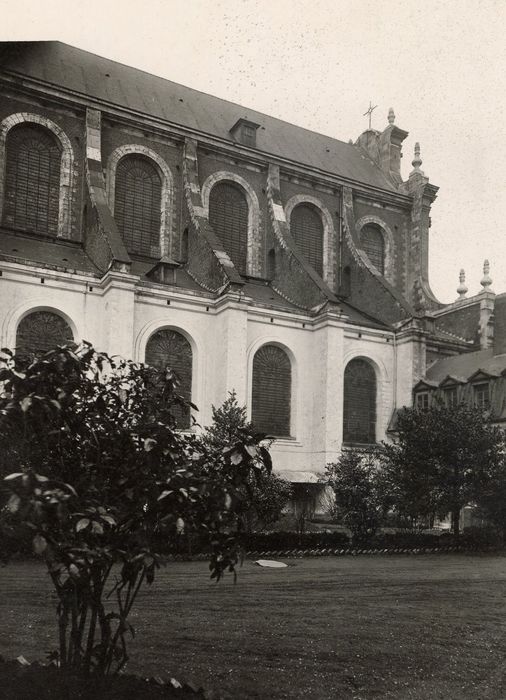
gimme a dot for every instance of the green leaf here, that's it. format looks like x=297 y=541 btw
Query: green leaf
x=97 y=528
x=13 y=503
x=164 y=494
x=39 y=544
x=13 y=476
x=26 y=403
x=236 y=458
x=84 y=522
x=252 y=450
x=149 y=444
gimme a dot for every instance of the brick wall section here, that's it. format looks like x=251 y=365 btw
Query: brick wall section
x=69 y=128
x=368 y=289
x=102 y=240
x=252 y=181
x=394 y=223
x=295 y=279
x=208 y=263
x=115 y=139
x=293 y=193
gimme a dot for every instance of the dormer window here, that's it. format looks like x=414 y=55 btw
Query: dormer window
x=245 y=132
x=450 y=396
x=422 y=400
x=481 y=395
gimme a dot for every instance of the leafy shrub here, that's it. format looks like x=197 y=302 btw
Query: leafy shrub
x=100 y=476
x=358 y=497
x=265 y=495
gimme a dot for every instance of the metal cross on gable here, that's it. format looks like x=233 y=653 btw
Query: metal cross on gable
x=369 y=112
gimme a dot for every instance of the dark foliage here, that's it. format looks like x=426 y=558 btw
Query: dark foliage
x=442 y=459
x=96 y=470
x=359 y=502
x=265 y=494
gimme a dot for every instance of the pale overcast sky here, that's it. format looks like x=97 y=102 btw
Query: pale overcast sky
x=317 y=63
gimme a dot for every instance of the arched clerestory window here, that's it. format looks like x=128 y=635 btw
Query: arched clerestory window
x=137 y=202
x=359 y=422
x=373 y=244
x=272 y=390
x=228 y=215
x=32 y=179
x=306 y=227
x=168 y=348
x=41 y=331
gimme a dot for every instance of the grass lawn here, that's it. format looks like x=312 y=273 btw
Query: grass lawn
x=366 y=627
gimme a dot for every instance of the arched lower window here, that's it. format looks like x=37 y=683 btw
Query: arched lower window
x=41 y=331
x=229 y=216
x=137 y=204
x=373 y=244
x=32 y=179
x=168 y=348
x=359 y=422
x=306 y=227
x=272 y=389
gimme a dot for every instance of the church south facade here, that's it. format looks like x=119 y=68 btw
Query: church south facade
x=174 y=228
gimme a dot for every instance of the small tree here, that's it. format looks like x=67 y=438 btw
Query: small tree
x=441 y=460
x=105 y=483
x=265 y=494
x=359 y=503
x=491 y=497
x=306 y=497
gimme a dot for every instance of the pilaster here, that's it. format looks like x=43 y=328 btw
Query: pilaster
x=230 y=348
x=119 y=313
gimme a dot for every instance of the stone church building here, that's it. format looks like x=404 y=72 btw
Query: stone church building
x=176 y=228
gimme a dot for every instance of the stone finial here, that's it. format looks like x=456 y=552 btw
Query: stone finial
x=417 y=161
x=391 y=116
x=462 y=289
x=486 y=280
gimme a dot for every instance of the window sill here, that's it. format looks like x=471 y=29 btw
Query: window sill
x=292 y=441
x=360 y=445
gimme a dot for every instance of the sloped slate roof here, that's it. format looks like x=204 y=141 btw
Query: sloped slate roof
x=107 y=81
x=467 y=364
x=53 y=254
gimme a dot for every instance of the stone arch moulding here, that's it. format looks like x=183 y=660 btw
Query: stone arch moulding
x=66 y=168
x=388 y=238
x=196 y=344
x=167 y=198
x=16 y=315
x=253 y=264
x=294 y=398
x=328 y=231
x=385 y=401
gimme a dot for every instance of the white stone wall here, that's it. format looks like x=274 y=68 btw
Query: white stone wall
x=118 y=314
